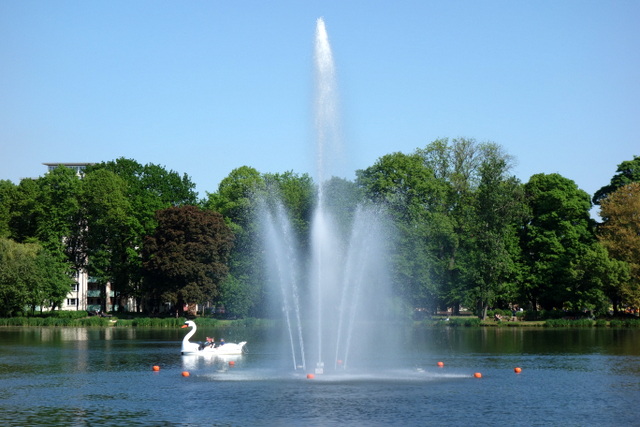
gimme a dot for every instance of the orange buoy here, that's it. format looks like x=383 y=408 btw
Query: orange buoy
x=440 y=365
x=477 y=375
x=517 y=370
x=185 y=374
x=156 y=368
x=310 y=376
x=232 y=363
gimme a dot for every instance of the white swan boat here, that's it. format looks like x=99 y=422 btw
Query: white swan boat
x=208 y=348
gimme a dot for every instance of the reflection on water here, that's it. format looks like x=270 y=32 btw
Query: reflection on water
x=103 y=376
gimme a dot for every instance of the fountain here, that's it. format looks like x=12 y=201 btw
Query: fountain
x=334 y=293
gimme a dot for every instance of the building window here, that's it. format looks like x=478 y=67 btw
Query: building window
x=72 y=302
x=74 y=287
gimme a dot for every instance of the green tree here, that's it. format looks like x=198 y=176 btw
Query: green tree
x=408 y=189
x=110 y=233
x=50 y=283
x=557 y=236
x=234 y=198
x=16 y=270
x=456 y=163
x=298 y=196
x=147 y=189
x=627 y=172
x=58 y=210
x=596 y=280
x=236 y=201
x=30 y=277
x=492 y=247
x=47 y=210
x=469 y=216
x=342 y=197
x=7 y=188
x=186 y=258
x=23 y=210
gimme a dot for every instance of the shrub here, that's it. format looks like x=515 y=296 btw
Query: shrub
x=469 y=322
x=616 y=323
x=563 y=323
x=625 y=323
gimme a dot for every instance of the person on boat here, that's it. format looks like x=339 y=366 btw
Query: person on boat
x=220 y=343
x=211 y=341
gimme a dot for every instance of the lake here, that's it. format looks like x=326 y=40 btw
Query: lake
x=104 y=377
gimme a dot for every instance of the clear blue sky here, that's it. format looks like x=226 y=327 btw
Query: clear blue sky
x=203 y=87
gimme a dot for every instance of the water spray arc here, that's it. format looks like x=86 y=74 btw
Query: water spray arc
x=342 y=273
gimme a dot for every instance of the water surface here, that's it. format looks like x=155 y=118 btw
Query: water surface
x=90 y=377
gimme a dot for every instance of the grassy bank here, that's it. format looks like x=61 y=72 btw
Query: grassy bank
x=82 y=319
x=466 y=321
x=124 y=321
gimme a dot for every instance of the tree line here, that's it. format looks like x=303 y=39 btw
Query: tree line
x=467 y=233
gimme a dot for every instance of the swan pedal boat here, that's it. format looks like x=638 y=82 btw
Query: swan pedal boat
x=227 y=349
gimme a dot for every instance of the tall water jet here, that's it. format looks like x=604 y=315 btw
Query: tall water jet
x=327 y=117
x=334 y=292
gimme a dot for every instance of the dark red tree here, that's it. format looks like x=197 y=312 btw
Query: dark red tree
x=186 y=258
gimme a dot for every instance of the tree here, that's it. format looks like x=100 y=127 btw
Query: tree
x=47 y=211
x=596 y=281
x=186 y=258
x=412 y=195
x=143 y=190
x=16 y=269
x=557 y=235
x=51 y=282
x=492 y=247
x=30 y=276
x=627 y=172
x=236 y=200
x=298 y=196
x=23 y=210
x=473 y=216
x=110 y=233
x=620 y=234
x=57 y=211
x=7 y=188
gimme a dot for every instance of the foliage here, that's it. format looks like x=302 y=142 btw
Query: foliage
x=600 y=323
x=46 y=210
x=7 y=189
x=627 y=172
x=412 y=195
x=236 y=296
x=625 y=323
x=563 y=323
x=110 y=230
x=468 y=234
x=121 y=199
x=563 y=264
x=30 y=276
x=186 y=258
x=493 y=247
x=236 y=201
x=466 y=322
x=620 y=234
